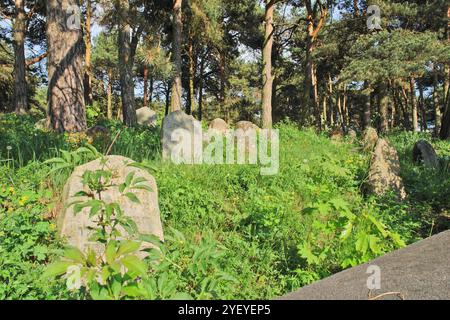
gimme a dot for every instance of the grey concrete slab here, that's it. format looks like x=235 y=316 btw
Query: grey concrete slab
x=420 y=271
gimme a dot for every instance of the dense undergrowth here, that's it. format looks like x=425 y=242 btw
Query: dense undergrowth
x=230 y=232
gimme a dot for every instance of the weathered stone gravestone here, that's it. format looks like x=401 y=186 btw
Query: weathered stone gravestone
x=76 y=228
x=182 y=139
x=384 y=173
x=42 y=125
x=337 y=135
x=423 y=151
x=370 y=138
x=146 y=117
x=98 y=133
x=219 y=125
x=352 y=134
x=246 y=125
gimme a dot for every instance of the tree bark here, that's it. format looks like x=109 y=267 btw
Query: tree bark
x=88 y=65
x=145 y=97
x=191 y=91
x=109 y=94
x=383 y=101
x=126 y=62
x=267 y=62
x=176 y=53
x=200 y=89
x=415 y=117
x=367 y=122
x=65 y=70
x=423 y=112
x=20 y=82
x=437 y=106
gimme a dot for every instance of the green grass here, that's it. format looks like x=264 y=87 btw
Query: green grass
x=230 y=232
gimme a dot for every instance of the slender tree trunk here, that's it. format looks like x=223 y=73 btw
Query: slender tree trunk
x=65 y=70
x=88 y=65
x=200 y=89
x=145 y=97
x=126 y=62
x=20 y=82
x=150 y=91
x=168 y=92
x=405 y=105
x=191 y=92
x=109 y=93
x=176 y=48
x=437 y=106
x=367 y=111
x=422 y=108
x=415 y=117
x=330 y=102
x=383 y=101
x=267 y=62
x=356 y=8
x=223 y=84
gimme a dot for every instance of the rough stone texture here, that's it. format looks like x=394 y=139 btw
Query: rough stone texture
x=370 y=138
x=171 y=125
x=146 y=116
x=420 y=271
x=352 y=134
x=98 y=133
x=219 y=125
x=336 y=135
x=146 y=214
x=384 y=173
x=246 y=125
x=423 y=151
x=42 y=125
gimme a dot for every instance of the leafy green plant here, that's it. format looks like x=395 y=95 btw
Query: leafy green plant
x=109 y=273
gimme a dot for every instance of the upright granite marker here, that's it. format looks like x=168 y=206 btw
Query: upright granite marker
x=384 y=173
x=424 y=151
x=146 y=117
x=75 y=228
x=219 y=125
x=182 y=138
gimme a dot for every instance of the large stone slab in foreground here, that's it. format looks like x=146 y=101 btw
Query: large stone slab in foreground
x=75 y=228
x=420 y=271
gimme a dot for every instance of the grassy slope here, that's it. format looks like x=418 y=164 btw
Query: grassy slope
x=239 y=234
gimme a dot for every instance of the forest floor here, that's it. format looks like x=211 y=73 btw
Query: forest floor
x=230 y=232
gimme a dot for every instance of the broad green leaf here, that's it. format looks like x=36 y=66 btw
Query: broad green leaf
x=134 y=264
x=56 y=269
x=74 y=254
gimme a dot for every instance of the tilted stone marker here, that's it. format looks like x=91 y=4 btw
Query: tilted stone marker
x=424 y=151
x=219 y=125
x=182 y=138
x=246 y=125
x=370 y=138
x=384 y=173
x=146 y=117
x=75 y=228
x=420 y=271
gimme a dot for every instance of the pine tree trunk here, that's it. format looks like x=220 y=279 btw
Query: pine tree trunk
x=191 y=76
x=423 y=112
x=200 y=89
x=20 y=82
x=437 y=106
x=145 y=97
x=383 y=105
x=167 y=94
x=126 y=62
x=88 y=65
x=177 y=35
x=109 y=93
x=367 y=122
x=65 y=70
x=267 y=62
x=415 y=117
